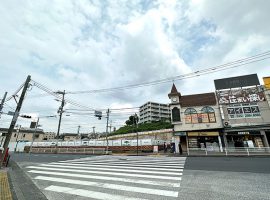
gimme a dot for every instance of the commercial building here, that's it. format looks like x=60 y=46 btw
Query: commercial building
x=197 y=121
x=237 y=115
x=245 y=111
x=152 y=111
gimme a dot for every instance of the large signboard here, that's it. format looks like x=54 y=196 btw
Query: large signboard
x=266 y=81
x=245 y=95
x=244 y=110
x=237 y=82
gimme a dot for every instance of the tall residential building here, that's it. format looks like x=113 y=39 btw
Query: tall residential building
x=152 y=111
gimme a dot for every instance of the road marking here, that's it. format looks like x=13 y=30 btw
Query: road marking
x=139 y=163
x=127 y=160
x=153 y=168
x=130 y=164
x=108 y=173
x=113 y=186
x=131 y=161
x=64 y=161
x=91 y=194
x=110 y=169
x=127 y=180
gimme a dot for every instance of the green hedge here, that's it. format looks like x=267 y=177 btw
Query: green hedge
x=143 y=127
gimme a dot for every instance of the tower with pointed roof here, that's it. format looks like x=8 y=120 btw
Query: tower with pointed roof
x=174 y=95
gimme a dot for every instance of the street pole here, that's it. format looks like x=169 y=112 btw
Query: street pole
x=2 y=103
x=60 y=110
x=1 y=108
x=136 y=121
x=94 y=134
x=107 y=145
x=18 y=132
x=78 y=132
x=15 y=117
x=33 y=136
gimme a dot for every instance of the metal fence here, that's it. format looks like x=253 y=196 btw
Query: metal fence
x=230 y=151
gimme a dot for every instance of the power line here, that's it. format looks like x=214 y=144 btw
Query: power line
x=44 y=88
x=233 y=64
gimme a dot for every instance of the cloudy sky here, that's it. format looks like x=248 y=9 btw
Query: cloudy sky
x=87 y=45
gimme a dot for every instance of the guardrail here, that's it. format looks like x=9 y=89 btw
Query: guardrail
x=70 y=150
x=230 y=151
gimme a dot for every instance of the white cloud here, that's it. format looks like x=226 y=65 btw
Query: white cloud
x=83 y=45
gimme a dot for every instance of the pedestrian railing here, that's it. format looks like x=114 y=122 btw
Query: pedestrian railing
x=230 y=151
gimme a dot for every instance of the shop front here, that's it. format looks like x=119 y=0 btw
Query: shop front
x=182 y=140
x=209 y=140
x=247 y=138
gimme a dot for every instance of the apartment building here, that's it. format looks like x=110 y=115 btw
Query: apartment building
x=49 y=136
x=152 y=111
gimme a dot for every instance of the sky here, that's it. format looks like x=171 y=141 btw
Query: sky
x=77 y=45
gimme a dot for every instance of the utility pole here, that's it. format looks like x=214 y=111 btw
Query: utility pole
x=107 y=145
x=18 y=132
x=136 y=124
x=94 y=134
x=60 y=111
x=15 y=117
x=110 y=126
x=2 y=103
x=78 y=131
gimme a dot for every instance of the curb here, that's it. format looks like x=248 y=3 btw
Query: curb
x=22 y=186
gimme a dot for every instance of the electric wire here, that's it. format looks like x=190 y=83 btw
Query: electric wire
x=233 y=64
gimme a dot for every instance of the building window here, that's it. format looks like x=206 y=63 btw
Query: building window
x=207 y=115
x=23 y=135
x=176 y=114
x=15 y=135
x=191 y=116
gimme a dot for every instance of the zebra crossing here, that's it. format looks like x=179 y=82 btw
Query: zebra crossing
x=111 y=177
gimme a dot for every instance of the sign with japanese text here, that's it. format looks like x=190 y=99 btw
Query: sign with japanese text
x=245 y=110
x=247 y=95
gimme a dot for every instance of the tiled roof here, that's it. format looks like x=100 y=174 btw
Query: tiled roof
x=198 y=100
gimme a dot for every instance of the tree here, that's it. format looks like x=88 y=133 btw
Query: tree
x=133 y=119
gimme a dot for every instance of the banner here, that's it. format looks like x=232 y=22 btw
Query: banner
x=247 y=95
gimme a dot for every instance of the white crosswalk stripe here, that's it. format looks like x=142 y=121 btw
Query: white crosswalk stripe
x=112 y=178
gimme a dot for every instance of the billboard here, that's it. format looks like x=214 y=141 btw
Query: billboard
x=246 y=95
x=266 y=81
x=237 y=82
x=244 y=110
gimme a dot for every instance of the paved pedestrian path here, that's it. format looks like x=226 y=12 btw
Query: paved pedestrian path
x=110 y=178
x=5 y=193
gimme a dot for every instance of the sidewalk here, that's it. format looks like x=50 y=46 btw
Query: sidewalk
x=5 y=192
x=21 y=186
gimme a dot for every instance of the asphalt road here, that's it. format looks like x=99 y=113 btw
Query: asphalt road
x=120 y=177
